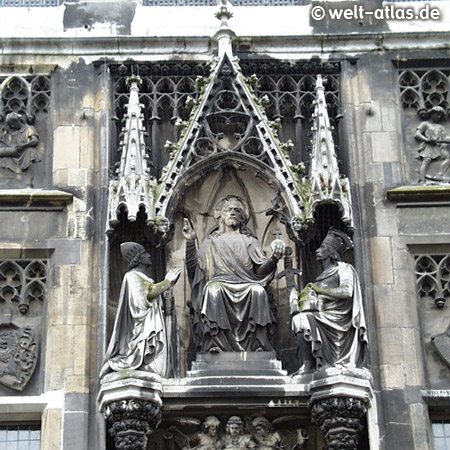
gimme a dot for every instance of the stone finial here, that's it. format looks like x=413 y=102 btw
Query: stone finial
x=132 y=187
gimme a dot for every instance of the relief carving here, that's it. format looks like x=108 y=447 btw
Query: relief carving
x=236 y=433
x=433 y=146
x=18 y=142
x=18 y=356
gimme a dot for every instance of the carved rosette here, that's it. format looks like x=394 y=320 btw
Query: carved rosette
x=131 y=422
x=339 y=420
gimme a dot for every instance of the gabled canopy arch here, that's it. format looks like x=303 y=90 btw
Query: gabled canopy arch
x=220 y=163
x=227 y=128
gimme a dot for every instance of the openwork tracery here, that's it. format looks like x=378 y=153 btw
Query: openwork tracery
x=22 y=282
x=433 y=277
x=424 y=89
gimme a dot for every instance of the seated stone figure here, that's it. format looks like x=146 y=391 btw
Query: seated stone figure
x=18 y=143
x=139 y=340
x=328 y=319
x=228 y=276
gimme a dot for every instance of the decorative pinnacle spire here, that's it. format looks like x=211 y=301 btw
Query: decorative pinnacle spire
x=224 y=35
x=131 y=188
x=327 y=184
x=323 y=156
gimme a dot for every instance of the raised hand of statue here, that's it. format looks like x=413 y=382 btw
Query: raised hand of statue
x=188 y=232
x=173 y=275
x=278 y=247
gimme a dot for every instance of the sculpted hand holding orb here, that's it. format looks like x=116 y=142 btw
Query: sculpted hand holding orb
x=228 y=275
x=139 y=340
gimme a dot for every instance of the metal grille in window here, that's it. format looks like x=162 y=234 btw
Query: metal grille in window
x=441 y=434
x=20 y=437
x=234 y=2
x=23 y=282
x=433 y=278
x=288 y=86
x=423 y=89
x=30 y=3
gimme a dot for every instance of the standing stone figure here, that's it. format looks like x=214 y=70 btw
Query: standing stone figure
x=18 y=143
x=328 y=320
x=139 y=340
x=236 y=438
x=228 y=276
x=433 y=145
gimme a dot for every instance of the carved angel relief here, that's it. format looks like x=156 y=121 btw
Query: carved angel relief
x=236 y=433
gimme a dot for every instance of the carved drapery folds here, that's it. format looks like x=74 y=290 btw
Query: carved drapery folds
x=433 y=278
x=339 y=420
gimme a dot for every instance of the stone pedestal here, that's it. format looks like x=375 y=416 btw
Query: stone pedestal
x=131 y=403
x=339 y=400
x=236 y=364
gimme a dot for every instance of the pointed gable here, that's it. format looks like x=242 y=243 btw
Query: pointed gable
x=228 y=125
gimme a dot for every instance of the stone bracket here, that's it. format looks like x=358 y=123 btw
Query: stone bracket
x=131 y=403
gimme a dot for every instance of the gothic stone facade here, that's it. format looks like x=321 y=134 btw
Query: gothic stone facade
x=65 y=68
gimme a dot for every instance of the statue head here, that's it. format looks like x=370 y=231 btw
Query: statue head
x=335 y=244
x=261 y=425
x=232 y=211
x=133 y=253
x=437 y=113
x=14 y=120
x=235 y=426
x=211 y=425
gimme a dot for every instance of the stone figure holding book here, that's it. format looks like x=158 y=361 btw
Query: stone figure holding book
x=328 y=317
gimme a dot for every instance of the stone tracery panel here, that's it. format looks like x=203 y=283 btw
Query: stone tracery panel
x=23 y=291
x=433 y=278
x=425 y=98
x=24 y=140
x=288 y=88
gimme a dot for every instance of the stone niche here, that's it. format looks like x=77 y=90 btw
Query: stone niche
x=197 y=205
x=422 y=90
x=28 y=97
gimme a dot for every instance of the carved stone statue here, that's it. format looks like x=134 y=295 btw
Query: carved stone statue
x=236 y=438
x=139 y=340
x=18 y=143
x=228 y=276
x=266 y=437
x=328 y=320
x=208 y=438
x=433 y=145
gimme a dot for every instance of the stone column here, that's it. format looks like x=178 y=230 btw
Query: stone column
x=131 y=403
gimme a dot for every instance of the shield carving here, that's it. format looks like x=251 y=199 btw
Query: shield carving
x=18 y=356
x=441 y=343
